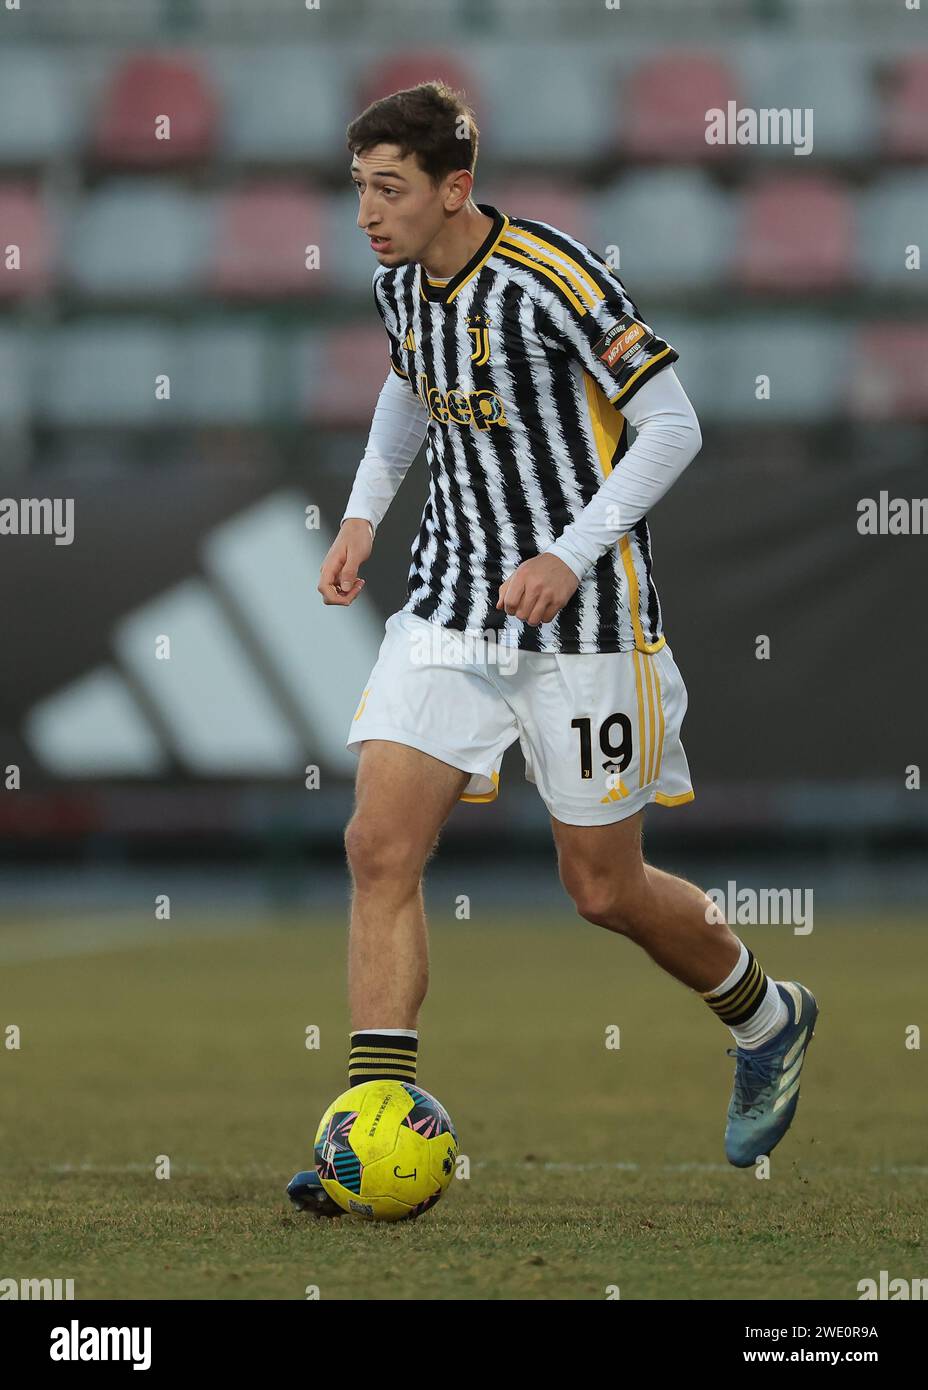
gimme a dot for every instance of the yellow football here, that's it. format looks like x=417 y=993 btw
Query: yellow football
x=386 y=1150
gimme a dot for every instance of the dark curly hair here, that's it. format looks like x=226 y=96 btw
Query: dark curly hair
x=430 y=121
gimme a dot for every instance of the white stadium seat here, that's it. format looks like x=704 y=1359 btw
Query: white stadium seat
x=104 y=373
x=673 y=229
x=893 y=215
x=38 y=109
x=226 y=374
x=137 y=238
x=282 y=105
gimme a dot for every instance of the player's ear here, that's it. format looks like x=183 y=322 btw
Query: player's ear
x=457 y=190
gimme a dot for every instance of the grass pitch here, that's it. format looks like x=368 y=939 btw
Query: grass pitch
x=590 y=1168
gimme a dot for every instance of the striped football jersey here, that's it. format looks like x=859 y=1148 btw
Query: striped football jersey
x=524 y=360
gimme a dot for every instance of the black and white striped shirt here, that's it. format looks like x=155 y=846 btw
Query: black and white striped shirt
x=523 y=360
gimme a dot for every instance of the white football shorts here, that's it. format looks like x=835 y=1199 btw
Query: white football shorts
x=600 y=732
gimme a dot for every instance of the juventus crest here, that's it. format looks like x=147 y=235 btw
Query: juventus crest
x=478 y=326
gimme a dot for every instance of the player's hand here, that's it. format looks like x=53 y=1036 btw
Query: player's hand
x=537 y=591
x=338 y=579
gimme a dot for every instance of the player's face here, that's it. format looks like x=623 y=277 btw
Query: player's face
x=399 y=208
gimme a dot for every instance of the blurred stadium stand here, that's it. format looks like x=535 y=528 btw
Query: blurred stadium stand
x=191 y=257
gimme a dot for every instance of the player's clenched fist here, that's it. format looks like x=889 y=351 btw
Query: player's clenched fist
x=537 y=591
x=338 y=578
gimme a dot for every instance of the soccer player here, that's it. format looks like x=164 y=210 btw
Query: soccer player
x=532 y=612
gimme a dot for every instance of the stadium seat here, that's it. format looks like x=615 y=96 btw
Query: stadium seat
x=23 y=223
x=804 y=356
x=674 y=231
x=61 y=22
x=894 y=216
x=410 y=67
x=134 y=238
x=559 y=204
x=281 y=105
x=226 y=375
x=104 y=374
x=905 y=130
x=350 y=366
x=832 y=81
x=796 y=234
x=889 y=372
x=305 y=355
x=695 y=339
x=544 y=104
x=664 y=104
x=141 y=89
x=38 y=110
x=262 y=233
x=906 y=109
x=15 y=373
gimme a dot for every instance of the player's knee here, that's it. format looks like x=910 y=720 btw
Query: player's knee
x=379 y=855
x=604 y=912
x=606 y=904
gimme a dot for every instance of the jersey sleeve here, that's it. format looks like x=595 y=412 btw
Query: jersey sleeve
x=595 y=321
x=388 y=316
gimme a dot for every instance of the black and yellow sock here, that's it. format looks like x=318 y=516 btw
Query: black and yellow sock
x=739 y=996
x=385 y=1054
x=749 y=1002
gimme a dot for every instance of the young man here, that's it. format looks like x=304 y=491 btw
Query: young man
x=531 y=609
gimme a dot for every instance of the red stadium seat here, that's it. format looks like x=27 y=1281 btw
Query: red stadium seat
x=139 y=91
x=889 y=372
x=408 y=70
x=906 y=120
x=261 y=238
x=556 y=204
x=23 y=224
x=664 y=106
x=796 y=234
x=354 y=366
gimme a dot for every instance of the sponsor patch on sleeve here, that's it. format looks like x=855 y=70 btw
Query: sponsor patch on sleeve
x=620 y=343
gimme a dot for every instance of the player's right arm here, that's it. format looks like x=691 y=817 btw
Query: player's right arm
x=397 y=431
x=339 y=582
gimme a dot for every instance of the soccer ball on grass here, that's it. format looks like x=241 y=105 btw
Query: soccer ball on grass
x=385 y=1150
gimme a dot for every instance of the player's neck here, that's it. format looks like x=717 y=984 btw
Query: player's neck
x=450 y=251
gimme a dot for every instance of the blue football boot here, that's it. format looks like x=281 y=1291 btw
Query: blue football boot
x=306 y=1192
x=766 y=1090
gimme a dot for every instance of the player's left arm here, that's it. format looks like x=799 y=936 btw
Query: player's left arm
x=667 y=439
x=633 y=368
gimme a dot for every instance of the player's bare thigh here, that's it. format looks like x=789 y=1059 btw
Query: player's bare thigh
x=402 y=799
x=600 y=865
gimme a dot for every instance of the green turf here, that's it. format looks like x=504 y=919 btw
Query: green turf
x=190 y=1044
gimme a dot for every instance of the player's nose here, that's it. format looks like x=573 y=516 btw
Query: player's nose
x=364 y=217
